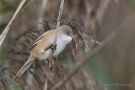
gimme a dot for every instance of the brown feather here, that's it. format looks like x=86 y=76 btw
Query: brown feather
x=44 y=35
x=24 y=68
x=46 y=42
x=40 y=48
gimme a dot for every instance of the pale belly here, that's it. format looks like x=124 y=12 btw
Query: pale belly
x=59 y=48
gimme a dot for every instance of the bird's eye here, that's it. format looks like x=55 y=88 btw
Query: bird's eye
x=68 y=34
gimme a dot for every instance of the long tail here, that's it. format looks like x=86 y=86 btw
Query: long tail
x=24 y=68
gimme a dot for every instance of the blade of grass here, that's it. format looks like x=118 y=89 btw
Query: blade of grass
x=56 y=34
x=4 y=33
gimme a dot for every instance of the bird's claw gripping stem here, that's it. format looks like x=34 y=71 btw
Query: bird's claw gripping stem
x=51 y=64
x=54 y=47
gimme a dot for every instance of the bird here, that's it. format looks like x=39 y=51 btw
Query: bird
x=42 y=47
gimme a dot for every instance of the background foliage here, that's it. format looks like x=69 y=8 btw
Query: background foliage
x=111 y=69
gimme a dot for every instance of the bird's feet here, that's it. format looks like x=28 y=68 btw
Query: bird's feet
x=51 y=68
x=54 y=47
x=51 y=64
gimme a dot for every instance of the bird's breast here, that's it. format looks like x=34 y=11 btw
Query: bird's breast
x=59 y=48
x=61 y=44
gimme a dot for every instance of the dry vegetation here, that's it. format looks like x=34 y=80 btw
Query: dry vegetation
x=91 y=21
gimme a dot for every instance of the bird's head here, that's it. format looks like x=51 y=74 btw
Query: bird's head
x=67 y=32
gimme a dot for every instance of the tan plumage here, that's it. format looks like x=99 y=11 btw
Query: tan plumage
x=41 y=48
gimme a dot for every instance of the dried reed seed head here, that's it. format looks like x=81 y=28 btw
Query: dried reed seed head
x=20 y=49
x=45 y=25
x=32 y=33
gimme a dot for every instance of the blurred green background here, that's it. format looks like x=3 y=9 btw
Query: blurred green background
x=113 y=68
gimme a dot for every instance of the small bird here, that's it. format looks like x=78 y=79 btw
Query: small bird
x=42 y=47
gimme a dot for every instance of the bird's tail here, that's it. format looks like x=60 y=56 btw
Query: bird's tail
x=24 y=68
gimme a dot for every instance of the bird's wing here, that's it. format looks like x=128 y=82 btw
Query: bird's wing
x=47 y=35
x=43 y=42
x=37 y=41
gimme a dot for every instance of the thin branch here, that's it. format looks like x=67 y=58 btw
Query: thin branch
x=42 y=9
x=24 y=8
x=58 y=22
x=101 y=9
x=4 y=33
x=46 y=84
x=94 y=52
x=56 y=34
